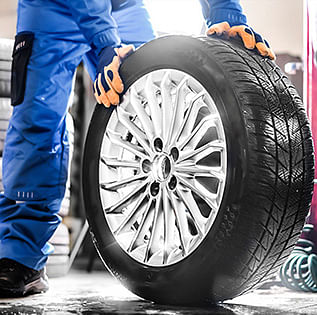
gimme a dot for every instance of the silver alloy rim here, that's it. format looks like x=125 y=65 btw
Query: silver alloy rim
x=163 y=167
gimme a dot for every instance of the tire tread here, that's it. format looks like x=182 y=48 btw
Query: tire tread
x=281 y=124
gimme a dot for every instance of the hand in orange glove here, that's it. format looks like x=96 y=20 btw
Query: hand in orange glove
x=108 y=84
x=250 y=38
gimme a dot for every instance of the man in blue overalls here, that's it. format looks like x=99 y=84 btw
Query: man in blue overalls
x=53 y=37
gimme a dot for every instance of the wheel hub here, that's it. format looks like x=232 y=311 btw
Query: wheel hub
x=162 y=167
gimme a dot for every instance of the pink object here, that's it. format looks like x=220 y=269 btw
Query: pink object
x=310 y=88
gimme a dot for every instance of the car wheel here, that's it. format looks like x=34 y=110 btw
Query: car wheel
x=197 y=185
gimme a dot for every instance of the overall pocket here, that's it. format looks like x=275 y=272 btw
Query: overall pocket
x=22 y=51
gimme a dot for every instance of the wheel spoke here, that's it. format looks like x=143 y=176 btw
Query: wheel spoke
x=190 y=117
x=138 y=239
x=132 y=196
x=116 y=138
x=112 y=162
x=199 y=132
x=202 y=152
x=154 y=241
x=208 y=197
x=167 y=102
x=133 y=180
x=202 y=171
x=141 y=113
x=181 y=220
x=156 y=115
x=124 y=118
x=169 y=226
x=193 y=209
x=178 y=110
x=135 y=213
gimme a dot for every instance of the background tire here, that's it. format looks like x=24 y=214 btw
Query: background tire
x=6 y=47
x=5 y=114
x=269 y=179
x=58 y=262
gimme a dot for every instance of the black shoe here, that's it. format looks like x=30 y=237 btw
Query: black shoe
x=17 y=280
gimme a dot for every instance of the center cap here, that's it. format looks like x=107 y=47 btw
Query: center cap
x=162 y=167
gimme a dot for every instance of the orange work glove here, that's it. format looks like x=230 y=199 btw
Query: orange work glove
x=250 y=38
x=108 y=84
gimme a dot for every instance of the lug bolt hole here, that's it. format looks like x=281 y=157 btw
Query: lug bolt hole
x=158 y=145
x=146 y=166
x=172 y=183
x=175 y=154
x=154 y=189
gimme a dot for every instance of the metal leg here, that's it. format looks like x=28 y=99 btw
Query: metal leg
x=78 y=244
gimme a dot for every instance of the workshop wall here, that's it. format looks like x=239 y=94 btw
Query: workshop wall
x=282 y=27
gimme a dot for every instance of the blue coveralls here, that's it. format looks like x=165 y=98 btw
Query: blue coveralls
x=35 y=157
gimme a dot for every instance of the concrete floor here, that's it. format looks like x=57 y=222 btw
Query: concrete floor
x=98 y=293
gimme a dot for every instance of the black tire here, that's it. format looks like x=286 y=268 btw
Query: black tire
x=269 y=180
x=58 y=261
x=1 y=183
x=6 y=47
x=5 y=114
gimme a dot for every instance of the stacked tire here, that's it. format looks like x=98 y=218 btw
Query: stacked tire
x=6 y=46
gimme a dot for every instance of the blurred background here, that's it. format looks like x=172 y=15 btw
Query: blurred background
x=282 y=28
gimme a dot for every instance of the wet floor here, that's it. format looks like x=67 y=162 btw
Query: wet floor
x=98 y=293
